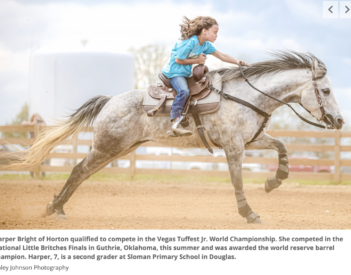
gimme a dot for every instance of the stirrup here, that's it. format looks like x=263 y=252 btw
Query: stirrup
x=185 y=121
x=178 y=133
x=172 y=133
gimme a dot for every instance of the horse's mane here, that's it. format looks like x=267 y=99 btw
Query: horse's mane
x=284 y=60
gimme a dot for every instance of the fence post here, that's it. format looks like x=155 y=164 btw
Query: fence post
x=132 y=164
x=36 y=133
x=75 y=148
x=337 y=157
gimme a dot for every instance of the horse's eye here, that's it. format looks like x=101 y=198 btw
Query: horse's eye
x=326 y=91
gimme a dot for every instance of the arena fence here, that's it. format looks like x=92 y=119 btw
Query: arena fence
x=335 y=177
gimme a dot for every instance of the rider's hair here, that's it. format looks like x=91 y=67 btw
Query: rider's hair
x=195 y=26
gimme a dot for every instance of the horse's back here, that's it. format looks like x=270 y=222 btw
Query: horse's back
x=122 y=104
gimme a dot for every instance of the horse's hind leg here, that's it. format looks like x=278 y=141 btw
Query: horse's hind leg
x=267 y=142
x=235 y=154
x=92 y=163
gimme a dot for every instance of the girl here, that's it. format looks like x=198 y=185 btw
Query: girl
x=196 y=36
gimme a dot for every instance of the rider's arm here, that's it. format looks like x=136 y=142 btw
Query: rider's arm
x=182 y=55
x=227 y=58
x=188 y=61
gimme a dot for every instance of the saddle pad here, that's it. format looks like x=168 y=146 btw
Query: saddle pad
x=206 y=105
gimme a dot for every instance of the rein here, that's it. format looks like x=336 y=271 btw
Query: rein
x=266 y=115
x=302 y=118
x=247 y=104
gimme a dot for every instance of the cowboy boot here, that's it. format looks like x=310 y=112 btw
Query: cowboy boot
x=177 y=130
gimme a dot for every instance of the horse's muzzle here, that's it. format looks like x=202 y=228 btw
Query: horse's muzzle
x=337 y=121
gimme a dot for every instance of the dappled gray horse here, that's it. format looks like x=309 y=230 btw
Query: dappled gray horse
x=121 y=125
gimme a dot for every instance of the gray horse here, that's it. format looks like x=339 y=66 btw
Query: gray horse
x=121 y=125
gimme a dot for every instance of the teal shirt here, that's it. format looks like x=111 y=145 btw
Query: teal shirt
x=184 y=49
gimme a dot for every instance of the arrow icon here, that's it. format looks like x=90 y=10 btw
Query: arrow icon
x=330 y=9
x=347 y=9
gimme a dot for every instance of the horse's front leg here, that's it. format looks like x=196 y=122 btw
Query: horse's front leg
x=267 y=142
x=235 y=153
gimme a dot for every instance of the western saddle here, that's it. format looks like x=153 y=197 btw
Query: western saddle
x=198 y=86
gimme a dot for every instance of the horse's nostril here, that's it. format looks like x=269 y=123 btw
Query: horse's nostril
x=340 y=121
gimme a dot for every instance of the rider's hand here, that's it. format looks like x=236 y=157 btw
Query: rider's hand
x=201 y=59
x=243 y=63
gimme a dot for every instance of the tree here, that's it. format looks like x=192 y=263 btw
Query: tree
x=149 y=61
x=21 y=116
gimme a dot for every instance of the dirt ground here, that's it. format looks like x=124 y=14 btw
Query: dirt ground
x=164 y=205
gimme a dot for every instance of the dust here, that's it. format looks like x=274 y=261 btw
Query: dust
x=169 y=205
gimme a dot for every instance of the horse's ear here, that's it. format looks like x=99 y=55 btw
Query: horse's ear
x=314 y=64
x=317 y=69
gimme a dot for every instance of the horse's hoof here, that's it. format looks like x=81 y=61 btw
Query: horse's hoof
x=257 y=221
x=61 y=217
x=50 y=209
x=60 y=214
x=272 y=183
x=253 y=218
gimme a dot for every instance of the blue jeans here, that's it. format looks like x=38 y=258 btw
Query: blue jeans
x=181 y=86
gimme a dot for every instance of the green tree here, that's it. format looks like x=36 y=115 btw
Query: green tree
x=21 y=116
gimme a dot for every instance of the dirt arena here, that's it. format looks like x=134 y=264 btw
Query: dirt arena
x=165 y=205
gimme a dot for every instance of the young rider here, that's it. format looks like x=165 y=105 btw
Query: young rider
x=196 y=36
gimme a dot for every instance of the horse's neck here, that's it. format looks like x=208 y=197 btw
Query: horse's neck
x=286 y=86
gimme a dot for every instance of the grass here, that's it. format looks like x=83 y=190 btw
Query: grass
x=158 y=178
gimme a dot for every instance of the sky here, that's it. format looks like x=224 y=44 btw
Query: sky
x=246 y=30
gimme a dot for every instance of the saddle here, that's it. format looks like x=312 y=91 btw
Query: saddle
x=198 y=86
x=200 y=90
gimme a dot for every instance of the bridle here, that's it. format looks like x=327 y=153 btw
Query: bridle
x=319 y=98
x=324 y=117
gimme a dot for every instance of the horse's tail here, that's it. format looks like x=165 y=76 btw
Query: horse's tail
x=50 y=137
